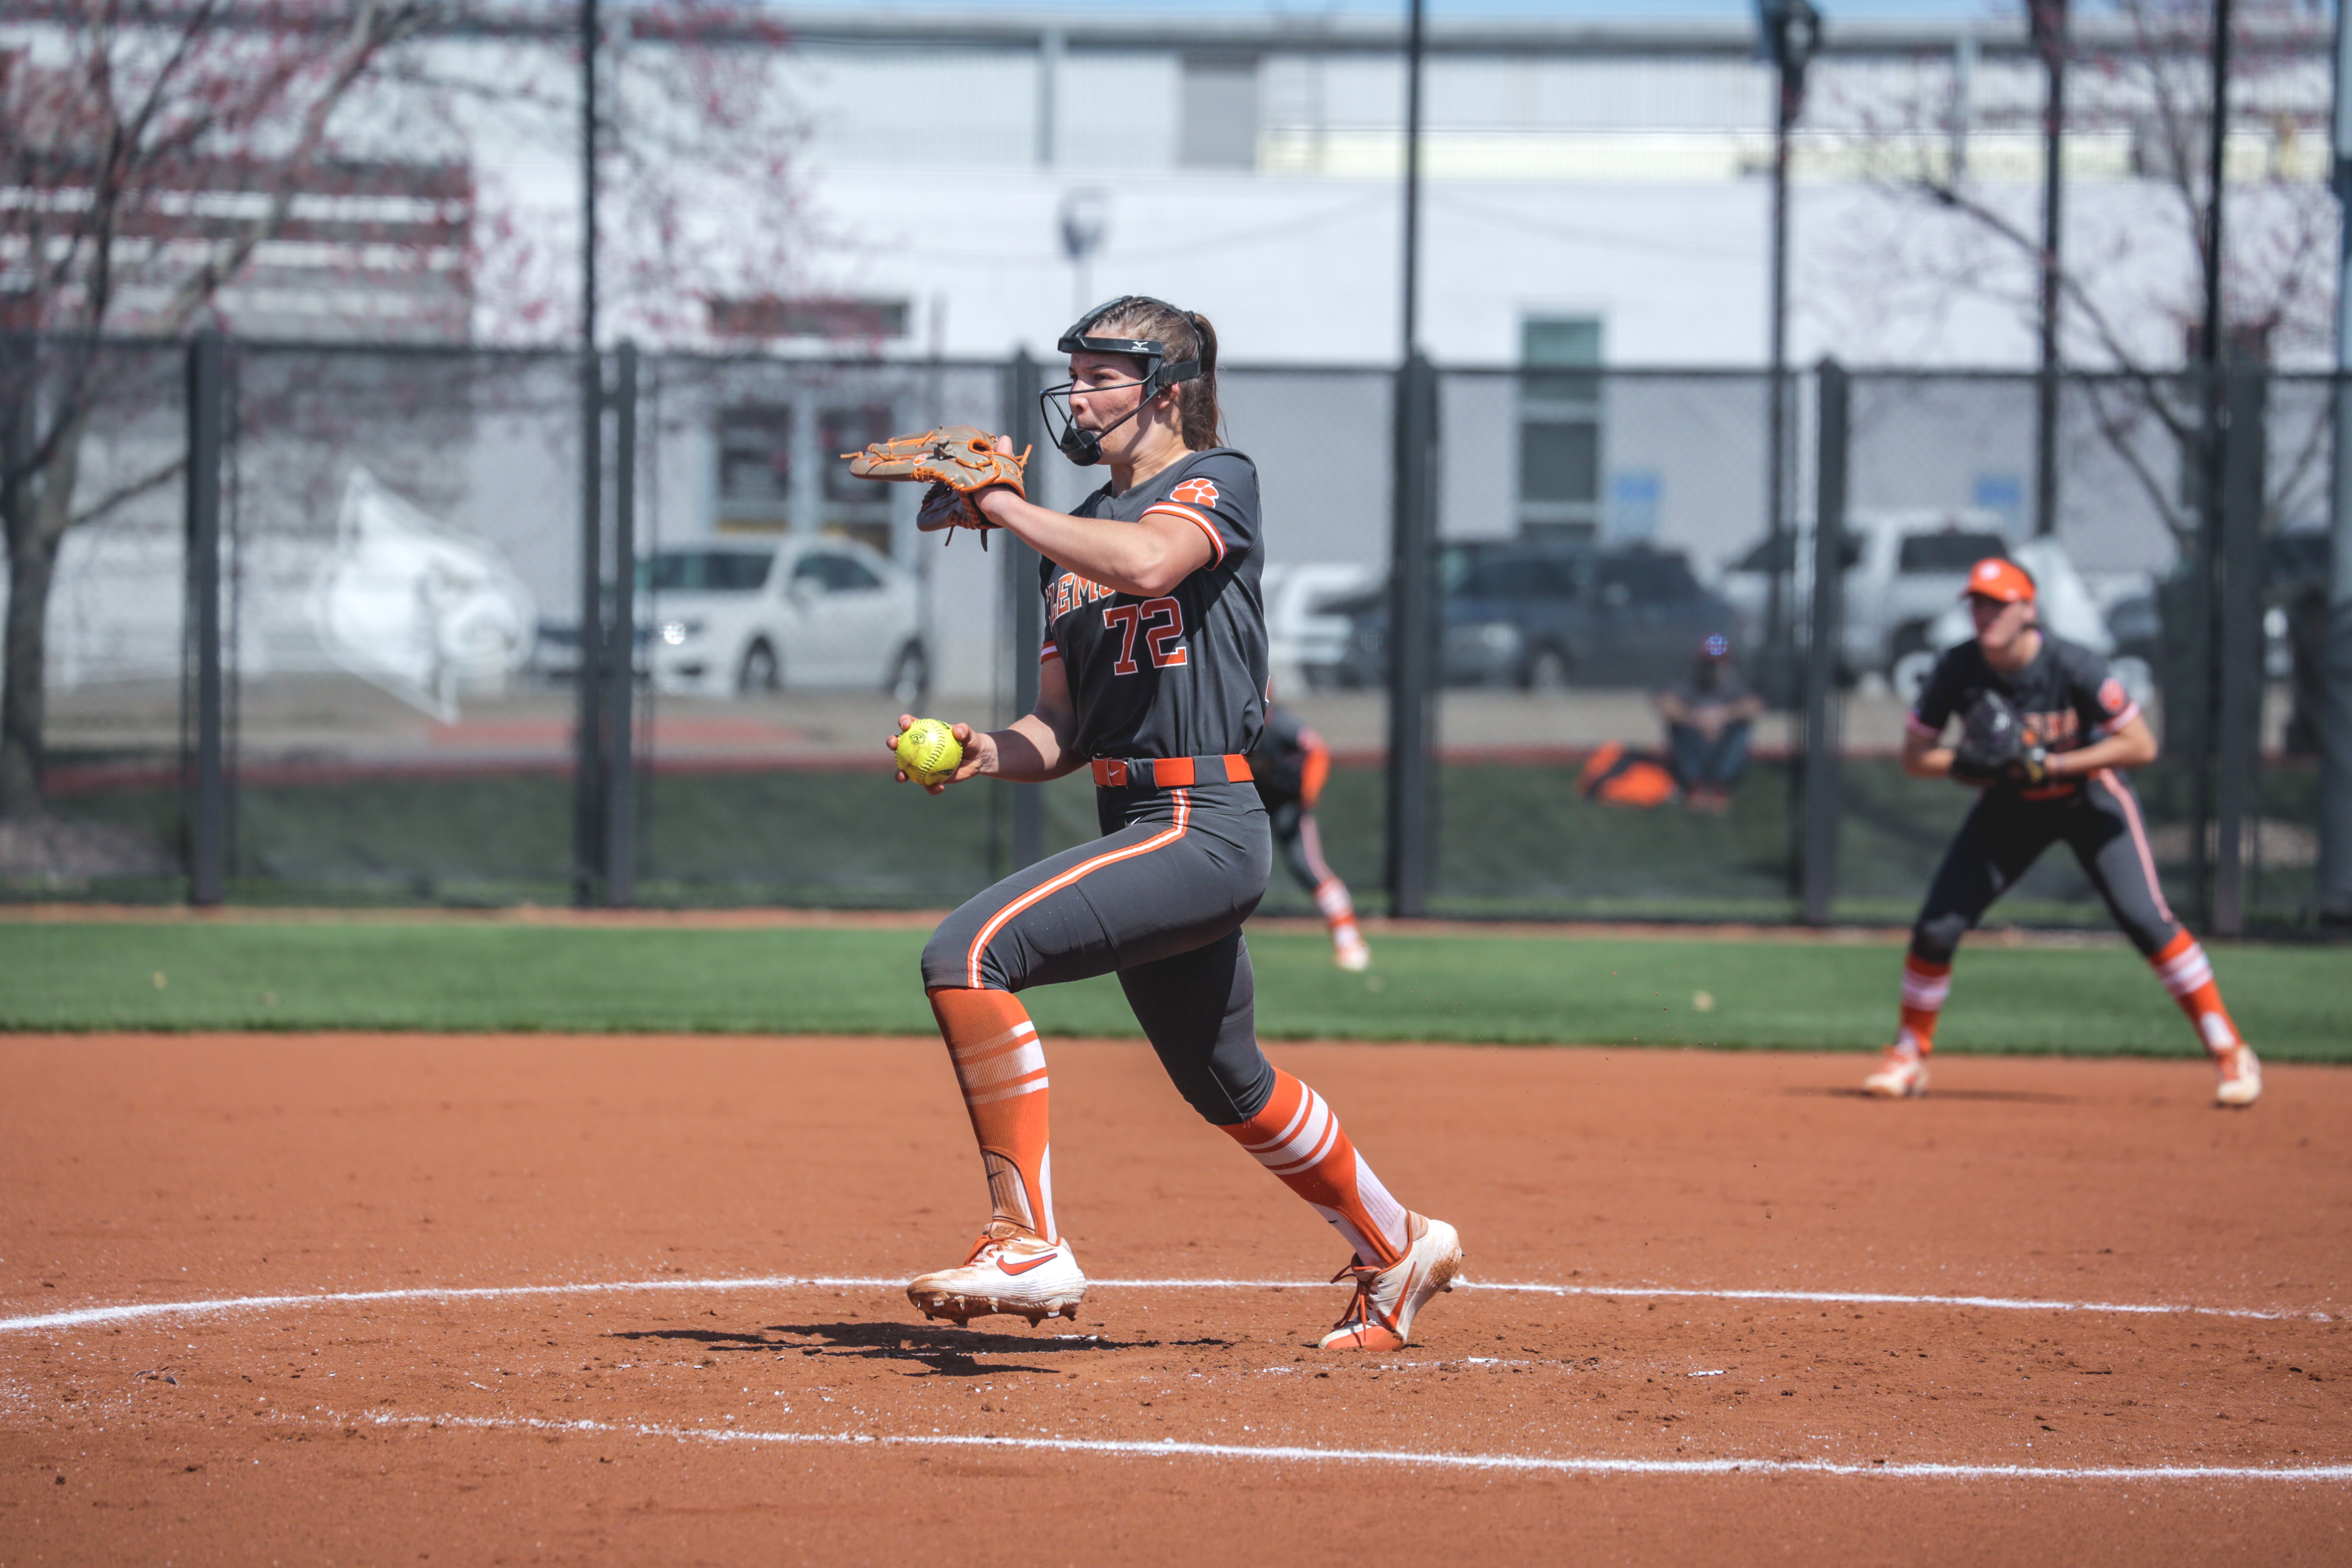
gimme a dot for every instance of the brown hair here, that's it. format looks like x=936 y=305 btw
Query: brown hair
x=1186 y=336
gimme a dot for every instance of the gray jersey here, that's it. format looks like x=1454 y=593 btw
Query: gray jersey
x=1183 y=675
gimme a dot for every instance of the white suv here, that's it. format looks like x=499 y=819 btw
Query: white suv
x=750 y=617
x=1903 y=569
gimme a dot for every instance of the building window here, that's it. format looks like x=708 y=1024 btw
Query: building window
x=831 y=319
x=1560 y=425
x=755 y=465
x=1219 y=112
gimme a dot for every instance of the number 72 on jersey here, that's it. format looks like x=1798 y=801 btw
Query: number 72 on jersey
x=1162 y=622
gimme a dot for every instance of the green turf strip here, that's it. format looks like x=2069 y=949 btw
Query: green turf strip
x=368 y=974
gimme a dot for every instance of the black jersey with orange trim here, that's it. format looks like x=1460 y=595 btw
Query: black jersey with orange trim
x=1183 y=674
x=2066 y=697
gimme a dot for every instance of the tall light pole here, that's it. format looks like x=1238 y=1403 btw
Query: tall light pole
x=1790 y=32
x=2049 y=32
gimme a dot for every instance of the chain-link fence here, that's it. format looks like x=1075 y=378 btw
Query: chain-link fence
x=403 y=569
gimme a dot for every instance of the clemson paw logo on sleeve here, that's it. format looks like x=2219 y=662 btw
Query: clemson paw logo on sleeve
x=2112 y=698
x=1199 y=492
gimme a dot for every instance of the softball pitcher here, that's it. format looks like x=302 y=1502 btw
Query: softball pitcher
x=1153 y=675
x=2044 y=730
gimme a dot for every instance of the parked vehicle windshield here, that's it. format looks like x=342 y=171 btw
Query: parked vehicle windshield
x=1948 y=552
x=706 y=571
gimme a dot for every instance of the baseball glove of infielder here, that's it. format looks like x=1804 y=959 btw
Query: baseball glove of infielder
x=1996 y=747
x=957 y=462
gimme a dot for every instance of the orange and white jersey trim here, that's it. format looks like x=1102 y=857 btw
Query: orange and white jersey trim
x=1169 y=508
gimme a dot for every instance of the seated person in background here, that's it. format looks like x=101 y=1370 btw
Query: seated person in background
x=1707 y=719
x=1288 y=767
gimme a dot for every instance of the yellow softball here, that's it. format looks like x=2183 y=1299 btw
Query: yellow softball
x=927 y=751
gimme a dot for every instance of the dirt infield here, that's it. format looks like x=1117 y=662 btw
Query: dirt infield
x=631 y=1300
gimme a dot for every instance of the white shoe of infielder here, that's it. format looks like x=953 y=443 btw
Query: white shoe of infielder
x=1014 y=1273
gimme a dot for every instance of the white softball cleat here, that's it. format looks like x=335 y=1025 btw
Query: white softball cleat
x=1381 y=1316
x=2241 y=1082
x=1009 y=1271
x=1353 y=954
x=1903 y=1076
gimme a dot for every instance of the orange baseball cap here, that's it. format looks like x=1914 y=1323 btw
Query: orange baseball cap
x=1995 y=578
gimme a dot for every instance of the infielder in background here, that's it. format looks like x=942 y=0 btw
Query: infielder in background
x=2044 y=729
x=1154 y=675
x=1290 y=766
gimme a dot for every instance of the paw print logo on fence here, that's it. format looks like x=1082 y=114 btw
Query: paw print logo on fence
x=1201 y=492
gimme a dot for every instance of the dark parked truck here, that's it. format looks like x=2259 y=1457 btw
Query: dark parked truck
x=1550 y=616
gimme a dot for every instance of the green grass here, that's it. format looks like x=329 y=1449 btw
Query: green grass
x=384 y=975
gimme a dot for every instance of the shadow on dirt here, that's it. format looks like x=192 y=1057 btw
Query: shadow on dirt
x=946 y=1351
x=1994 y=1096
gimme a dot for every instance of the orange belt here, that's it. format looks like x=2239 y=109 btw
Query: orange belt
x=1169 y=772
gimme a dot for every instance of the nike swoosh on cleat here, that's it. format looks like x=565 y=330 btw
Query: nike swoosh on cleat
x=1038 y=1262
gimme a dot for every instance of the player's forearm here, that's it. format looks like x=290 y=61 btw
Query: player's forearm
x=1925 y=759
x=2114 y=752
x=1031 y=750
x=1132 y=557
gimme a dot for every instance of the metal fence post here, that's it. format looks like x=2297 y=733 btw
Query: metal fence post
x=1413 y=622
x=620 y=762
x=588 y=758
x=208 y=818
x=2336 y=725
x=2237 y=645
x=1818 y=879
x=1027 y=609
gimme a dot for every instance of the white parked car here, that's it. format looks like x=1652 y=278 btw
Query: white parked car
x=1904 y=569
x=748 y=617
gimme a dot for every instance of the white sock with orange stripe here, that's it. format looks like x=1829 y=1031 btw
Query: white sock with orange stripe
x=1296 y=1136
x=1001 y=1071
x=1338 y=914
x=2188 y=974
x=1925 y=986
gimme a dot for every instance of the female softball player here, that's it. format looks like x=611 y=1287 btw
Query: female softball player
x=2064 y=726
x=1153 y=675
x=1290 y=766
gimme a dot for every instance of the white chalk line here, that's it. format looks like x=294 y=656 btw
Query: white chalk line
x=83 y=1316
x=1169 y=1449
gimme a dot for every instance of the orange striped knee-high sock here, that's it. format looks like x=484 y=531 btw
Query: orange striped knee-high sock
x=2181 y=964
x=1296 y=1136
x=1925 y=986
x=1338 y=912
x=1001 y=1071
